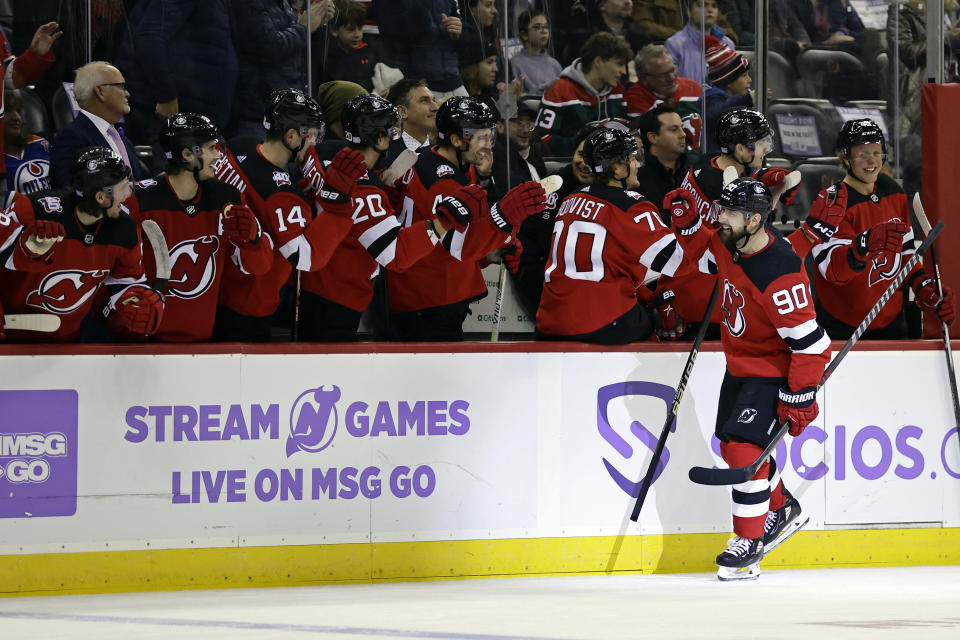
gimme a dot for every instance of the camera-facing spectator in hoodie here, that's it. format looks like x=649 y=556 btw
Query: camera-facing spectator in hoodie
x=589 y=89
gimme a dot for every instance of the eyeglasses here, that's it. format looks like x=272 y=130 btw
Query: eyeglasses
x=661 y=76
x=522 y=125
x=122 y=85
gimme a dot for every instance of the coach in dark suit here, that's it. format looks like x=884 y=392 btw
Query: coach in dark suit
x=101 y=93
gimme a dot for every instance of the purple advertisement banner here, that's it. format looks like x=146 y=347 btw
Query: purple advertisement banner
x=38 y=453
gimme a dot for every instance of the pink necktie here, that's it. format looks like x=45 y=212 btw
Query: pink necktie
x=121 y=148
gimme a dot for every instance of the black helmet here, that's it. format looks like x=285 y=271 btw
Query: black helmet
x=186 y=131
x=863 y=131
x=605 y=146
x=367 y=117
x=97 y=169
x=459 y=115
x=293 y=109
x=747 y=196
x=742 y=126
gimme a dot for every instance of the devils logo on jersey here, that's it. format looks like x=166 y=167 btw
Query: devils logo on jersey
x=731 y=311
x=66 y=291
x=50 y=204
x=193 y=267
x=884 y=267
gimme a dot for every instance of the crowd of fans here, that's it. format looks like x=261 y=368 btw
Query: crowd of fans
x=307 y=161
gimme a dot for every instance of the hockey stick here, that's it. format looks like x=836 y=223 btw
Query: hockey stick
x=550 y=184
x=738 y=475
x=672 y=414
x=161 y=256
x=951 y=372
x=44 y=322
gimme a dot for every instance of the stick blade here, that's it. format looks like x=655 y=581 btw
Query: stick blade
x=716 y=477
x=921 y=214
x=43 y=322
x=551 y=184
x=730 y=174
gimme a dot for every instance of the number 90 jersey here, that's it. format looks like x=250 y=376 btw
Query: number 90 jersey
x=770 y=327
x=605 y=240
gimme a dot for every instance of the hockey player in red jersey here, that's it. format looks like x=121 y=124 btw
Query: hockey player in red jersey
x=334 y=297
x=775 y=351
x=100 y=247
x=301 y=239
x=605 y=239
x=855 y=266
x=430 y=300
x=204 y=223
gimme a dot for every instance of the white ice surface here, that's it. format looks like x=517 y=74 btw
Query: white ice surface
x=875 y=603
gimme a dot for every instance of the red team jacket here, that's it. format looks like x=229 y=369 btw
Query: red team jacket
x=375 y=239
x=686 y=100
x=198 y=253
x=106 y=254
x=604 y=241
x=450 y=273
x=848 y=295
x=299 y=236
x=770 y=327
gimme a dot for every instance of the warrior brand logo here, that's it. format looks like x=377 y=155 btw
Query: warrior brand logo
x=644 y=435
x=149 y=182
x=311 y=429
x=444 y=170
x=194 y=267
x=281 y=178
x=38 y=458
x=731 y=311
x=747 y=416
x=50 y=204
x=64 y=292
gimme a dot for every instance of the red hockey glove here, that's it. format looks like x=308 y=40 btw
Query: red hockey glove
x=773 y=177
x=886 y=237
x=139 y=311
x=511 y=256
x=799 y=408
x=682 y=207
x=925 y=291
x=457 y=210
x=39 y=238
x=524 y=200
x=240 y=225
x=826 y=214
x=341 y=175
x=670 y=326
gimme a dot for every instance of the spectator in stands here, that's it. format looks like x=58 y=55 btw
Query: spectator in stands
x=101 y=93
x=479 y=74
x=658 y=82
x=685 y=45
x=27 y=68
x=479 y=37
x=729 y=88
x=419 y=36
x=332 y=97
x=272 y=45
x=829 y=22
x=26 y=156
x=787 y=34
x=663 y=18
x=349 y=57
x=740 y=13
x=177 y=55
x=665 y=151
x=525 y=160
x=589 y=89
x=615 y=18
x=418 y=114
x=533 y=62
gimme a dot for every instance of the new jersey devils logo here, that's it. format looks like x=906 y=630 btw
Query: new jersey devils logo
x=313 y=420
x=66 y=291
x=731 y=311
x=194 y=267
x=884 y=267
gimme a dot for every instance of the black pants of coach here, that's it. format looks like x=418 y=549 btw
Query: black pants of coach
x=323 y=320
x=436 y=324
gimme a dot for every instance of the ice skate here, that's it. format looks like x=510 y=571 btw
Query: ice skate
x=740 y=560
x=783 y=523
